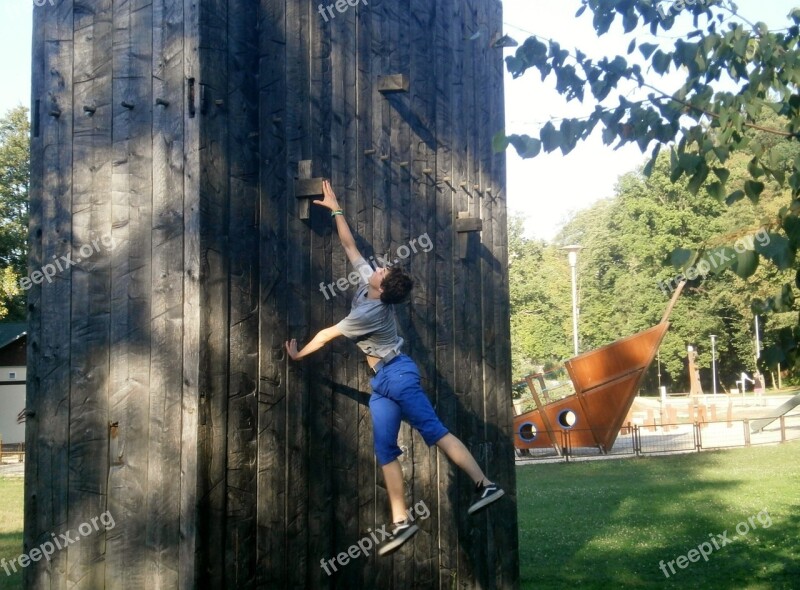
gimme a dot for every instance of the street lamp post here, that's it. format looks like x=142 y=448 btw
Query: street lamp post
x=758 y=344
x=572 y=256
x=714 y=363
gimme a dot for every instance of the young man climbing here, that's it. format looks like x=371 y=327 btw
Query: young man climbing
x=396 y=391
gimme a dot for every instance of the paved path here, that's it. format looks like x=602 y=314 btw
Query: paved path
x=12 y=470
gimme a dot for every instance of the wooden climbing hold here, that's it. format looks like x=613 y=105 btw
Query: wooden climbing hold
x=393 y=83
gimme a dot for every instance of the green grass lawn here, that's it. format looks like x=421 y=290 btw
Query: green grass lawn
x=608 y=524
x=11 y=498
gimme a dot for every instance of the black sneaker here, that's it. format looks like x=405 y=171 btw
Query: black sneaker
x=402 y=532
x=485 y=495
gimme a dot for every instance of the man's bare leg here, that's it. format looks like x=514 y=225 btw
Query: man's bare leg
x=393 y=476
x=402 y=529
x=460 y=455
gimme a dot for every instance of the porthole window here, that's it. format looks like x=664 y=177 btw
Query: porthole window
x=527 y=432
x=567 y=419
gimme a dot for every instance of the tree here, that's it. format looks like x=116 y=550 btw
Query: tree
x=540 y=303
x=14 y=177
x=737 y=98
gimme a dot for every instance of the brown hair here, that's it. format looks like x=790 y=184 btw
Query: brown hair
x=396 y=285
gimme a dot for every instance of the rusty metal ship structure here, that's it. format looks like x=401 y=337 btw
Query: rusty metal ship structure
x=605 y=380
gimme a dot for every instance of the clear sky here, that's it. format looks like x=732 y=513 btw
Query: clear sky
x=548 y=188
x=15 y=52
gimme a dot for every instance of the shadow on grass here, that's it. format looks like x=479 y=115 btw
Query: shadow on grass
x=611 y=523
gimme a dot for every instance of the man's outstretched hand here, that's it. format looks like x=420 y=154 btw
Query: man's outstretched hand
x=329 y=197
x=291 y=349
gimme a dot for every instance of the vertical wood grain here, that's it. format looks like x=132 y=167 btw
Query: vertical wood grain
x=275 y=399
x=243 y=152
x=163 y=507
x=49 y=304
x=129 y=248
x=91 y=281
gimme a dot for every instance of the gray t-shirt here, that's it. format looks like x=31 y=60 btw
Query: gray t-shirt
x=371 y=323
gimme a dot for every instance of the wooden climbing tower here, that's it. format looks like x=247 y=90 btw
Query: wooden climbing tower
x=192 y=134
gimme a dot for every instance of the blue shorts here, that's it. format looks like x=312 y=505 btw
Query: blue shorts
x=397 y=395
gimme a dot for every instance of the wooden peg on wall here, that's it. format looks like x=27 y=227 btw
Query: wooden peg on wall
x=393 y=83
x=306 y=188
x=464 y=226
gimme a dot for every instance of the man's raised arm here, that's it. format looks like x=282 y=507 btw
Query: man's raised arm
x=345 y=236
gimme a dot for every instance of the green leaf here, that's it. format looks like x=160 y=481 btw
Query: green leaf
x=500 y=142
x=630 y=20
x=682 y=258
x=526 y=146
x=716 y=190
x=778 y=175
x=691 y=162
x=661 y=62
x=791 y=226
x=647 y=49
x=777 y=249
x=550 y=136
x=734 y=196
x=753 y=166
x=753 y=189
x=515 y=66
x=783 y=301
x=723 y=174
x=746 y=263
x=698 y=178
x=648 y=169
x=794 y=183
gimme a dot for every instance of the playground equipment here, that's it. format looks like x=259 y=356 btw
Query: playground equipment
x=606 y=381
x=784 y=408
